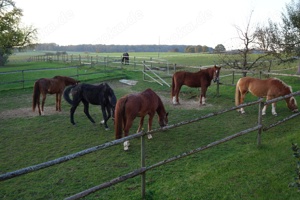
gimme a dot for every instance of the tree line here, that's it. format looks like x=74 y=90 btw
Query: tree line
x=101 y=48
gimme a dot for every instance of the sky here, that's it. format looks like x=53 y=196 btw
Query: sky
x=138 y=22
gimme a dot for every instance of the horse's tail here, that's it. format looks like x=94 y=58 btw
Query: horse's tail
x=67 y=96
x=237 y=94
x=120 y=117
x=36 y=95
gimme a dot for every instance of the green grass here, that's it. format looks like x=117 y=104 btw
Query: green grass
x=238 y=169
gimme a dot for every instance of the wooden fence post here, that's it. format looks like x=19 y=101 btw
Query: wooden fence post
x=23 y=81
x=218 y=88
x=144 y=70
x=134 y=64
x=259 y=121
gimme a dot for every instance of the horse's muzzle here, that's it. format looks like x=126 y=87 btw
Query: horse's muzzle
x=215 y=80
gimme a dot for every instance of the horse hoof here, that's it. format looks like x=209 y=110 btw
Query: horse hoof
x=149 y=136
x=102 y=122
x=126 y=145
x=107 y=129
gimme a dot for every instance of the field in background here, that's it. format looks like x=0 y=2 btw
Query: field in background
x=234 y=170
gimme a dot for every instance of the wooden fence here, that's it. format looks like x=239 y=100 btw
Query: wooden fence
x=80 y=67
x=143 y=169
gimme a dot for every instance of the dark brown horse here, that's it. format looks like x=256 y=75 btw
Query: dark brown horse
x=201 y=79
x=55 y=85
x=269 y=88
x=138 y=105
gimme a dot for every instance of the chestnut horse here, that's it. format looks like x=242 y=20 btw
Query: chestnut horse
x=138 y=105
x=44 y=86
x=201 y=79
x=101 y=94
x=270 y=88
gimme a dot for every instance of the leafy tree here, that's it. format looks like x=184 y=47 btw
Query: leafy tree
x=198 y=49
x=204 y=48
x=219 y=48
x=283 y=39
x=12 y=35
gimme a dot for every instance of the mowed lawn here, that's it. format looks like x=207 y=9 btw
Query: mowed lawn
x=238 y=169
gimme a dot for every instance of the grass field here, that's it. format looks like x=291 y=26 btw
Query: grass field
x=238 y=169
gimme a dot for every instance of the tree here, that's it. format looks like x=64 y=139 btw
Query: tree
x=12 y=35
x=242 y=58
x=219 y=48
x=283 y=39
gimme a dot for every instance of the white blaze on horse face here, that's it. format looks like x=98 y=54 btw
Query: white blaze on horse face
x=174 y=100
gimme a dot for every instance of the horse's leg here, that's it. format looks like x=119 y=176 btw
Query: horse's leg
x=140 y=125
x=203 y=95
x=86 y=111
x=176 y=92
x=127 y=127
x=150 y=125
x=263 y=112
x=274 y=109
x=58 y=102
x=43 y=103
x=72 y=111
x=38 y=104
x=105 y=117
x=242 y=97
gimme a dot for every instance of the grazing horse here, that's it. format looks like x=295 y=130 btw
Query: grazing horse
x=270 y=88
x=101 y=94
x=125 y=59
x=138 y=105
x=55 y=85
x=201 y=79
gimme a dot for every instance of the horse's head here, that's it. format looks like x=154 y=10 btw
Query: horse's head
x=67 y=80
x=163 y=120
x=292 y=104
x=216 y=73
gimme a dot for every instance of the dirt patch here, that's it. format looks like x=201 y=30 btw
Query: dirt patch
x=186 y=104
x=190 y=104
x=27 y=112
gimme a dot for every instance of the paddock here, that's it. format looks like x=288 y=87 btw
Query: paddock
x=175 y=154
x=143 y=169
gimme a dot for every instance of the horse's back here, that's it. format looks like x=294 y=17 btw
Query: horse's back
x=143 y=103
x=191 y=79
x=262 y=87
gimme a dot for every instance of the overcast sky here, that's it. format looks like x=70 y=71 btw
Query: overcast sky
x=132 y=22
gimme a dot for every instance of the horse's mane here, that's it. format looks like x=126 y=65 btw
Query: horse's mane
x=284 y=84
